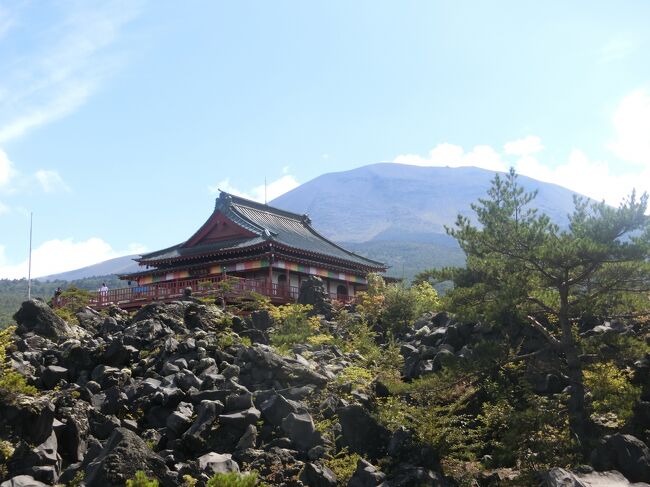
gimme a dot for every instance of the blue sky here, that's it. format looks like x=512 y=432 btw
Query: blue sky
x=119 y=119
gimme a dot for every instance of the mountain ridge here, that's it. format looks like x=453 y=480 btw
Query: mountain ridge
x=391 y=212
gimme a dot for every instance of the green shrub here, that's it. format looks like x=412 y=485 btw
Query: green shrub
x=404 y=305
x=11 y=382
x=343 y=465
x=75 y=300
x=359 y=377
x=611 y=390
x=426 y=298
x=6 y=450
x=141 y=480
x=622 y=349
x=233 y=479
x=189 y=481
x=292 y=325
x=400 y=308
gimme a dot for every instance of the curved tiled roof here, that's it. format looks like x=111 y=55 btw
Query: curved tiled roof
x=268 y=224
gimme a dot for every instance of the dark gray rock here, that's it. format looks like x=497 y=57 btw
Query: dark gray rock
x=299 y=427
x=52 y=375
x=101 y=425
x=314 y=475
x=276 y=408
x=31 y=418
x=186 y=380
x=312 y=291
x=117 y=354
x=122 y=456
x=37 y=317
x=73 y=437
x=260 y=364
x=194 y=438
x=362 y=433
x=240 y=419
x=239 y=402
x=41 y=462
x=180 y=420
x=624 y=453
x=261 y=320
x=366 y=475
x=407 y=475
x=248 y=439
x=22 y=481
x=90 y=320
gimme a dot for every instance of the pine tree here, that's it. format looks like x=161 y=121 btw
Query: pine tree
x=524 y=268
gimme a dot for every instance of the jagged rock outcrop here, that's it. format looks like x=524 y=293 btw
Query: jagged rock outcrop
x=35 y=316
x=312 y=291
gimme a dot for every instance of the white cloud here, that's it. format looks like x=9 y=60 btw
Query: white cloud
x=6 y=169
x=67 y=64
x=451 y=155
x=523 y=147
x=50 y=181
x=585 y=176
x=4 y=209
x=273 y=189
x=56 y=256
x=632 y=128
x=578 y=173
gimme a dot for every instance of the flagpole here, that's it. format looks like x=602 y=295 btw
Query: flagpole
x=29 y=270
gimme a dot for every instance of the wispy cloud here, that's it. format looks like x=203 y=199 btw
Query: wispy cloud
x=524 y=147
x=51 y=181
x=58 y=255
x=259 y=193
x=66 y=64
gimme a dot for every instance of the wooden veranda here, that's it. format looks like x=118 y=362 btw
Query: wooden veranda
x=229 y=287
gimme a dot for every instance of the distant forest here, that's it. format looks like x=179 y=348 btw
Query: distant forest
x=14 y=292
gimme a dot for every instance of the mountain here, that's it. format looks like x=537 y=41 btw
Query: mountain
x=396 y=213
x=397 y=202
x=119 y=265
x=389 y=212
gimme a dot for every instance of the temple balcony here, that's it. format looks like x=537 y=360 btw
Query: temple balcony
x=229 y=288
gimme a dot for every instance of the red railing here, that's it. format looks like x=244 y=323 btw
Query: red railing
x=229 y=287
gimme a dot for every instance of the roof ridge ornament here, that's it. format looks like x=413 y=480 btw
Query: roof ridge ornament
x=305 y=219
x=224 y=198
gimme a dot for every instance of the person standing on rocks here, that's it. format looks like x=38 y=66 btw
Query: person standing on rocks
x=57 y=296
x=103 y=293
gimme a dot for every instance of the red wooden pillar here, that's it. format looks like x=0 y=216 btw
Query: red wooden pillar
x=270 y=283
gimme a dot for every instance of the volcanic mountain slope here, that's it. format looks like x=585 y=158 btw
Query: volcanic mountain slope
x=397 y=213
x=397 y=202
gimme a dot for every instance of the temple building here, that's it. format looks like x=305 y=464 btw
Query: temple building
x=262 y=248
